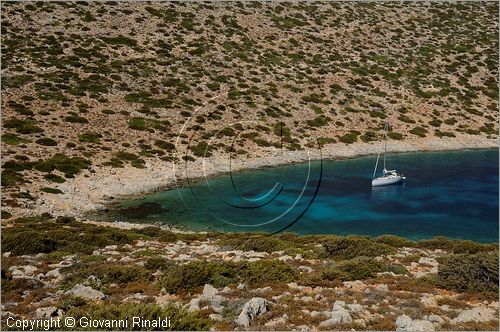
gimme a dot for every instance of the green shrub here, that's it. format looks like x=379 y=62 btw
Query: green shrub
x=394 y=241
x=11 y=178
x=202 y=149
x=351 y=247
x=165 y=145
x=262 y=243
x=28 y=242
x=394 y=135
x=180 y=318
x=54 y=178
x=75 y=118
x=46 y=141
x=137 y=123
x=435 y=122
x=23 y=126
x=158 y=263
x=46 y=236
x=469 y=272
x=350 y=137
x=405 y=118
x=13 y=139
x=90 y=137
x=62 y=163
x=51 y=190
x=440 y=133
x=419 y=131
x=396 y=268
x=195 y=274
x=358 y=268
x=456 y=246
x=318 y=121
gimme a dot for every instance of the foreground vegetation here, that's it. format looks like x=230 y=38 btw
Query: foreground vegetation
x=468 y=271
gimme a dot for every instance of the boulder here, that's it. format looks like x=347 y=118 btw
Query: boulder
x=55 y=273
x=253 y=308
x=209 y=292
x=86 y=292
x=478 y=314
x=48 y=313
x=216 y=317
x=428 y=261
x=405 y=323
x=339 y=315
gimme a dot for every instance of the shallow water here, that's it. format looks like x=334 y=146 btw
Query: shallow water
x=453 y=194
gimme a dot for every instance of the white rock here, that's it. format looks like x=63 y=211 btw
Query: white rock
x=405 y=323
x=253 y=308
x=216 y=317
x=355 y=307
x=428 y=261
x=86 y=292
x=48 y=313
x=382 y=288
x=435 y=319
x=306 y=269
x=55 y=273
x=209 y=292
x=478 y=314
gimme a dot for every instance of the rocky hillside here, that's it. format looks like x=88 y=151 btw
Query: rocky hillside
x=111 y=85
x=62 y=267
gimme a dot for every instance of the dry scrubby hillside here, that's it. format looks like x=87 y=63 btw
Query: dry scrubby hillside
x=92 y=84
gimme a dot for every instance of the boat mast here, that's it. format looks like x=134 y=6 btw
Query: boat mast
x=386 y=127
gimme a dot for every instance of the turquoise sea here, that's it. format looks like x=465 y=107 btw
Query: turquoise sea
x=453 y=194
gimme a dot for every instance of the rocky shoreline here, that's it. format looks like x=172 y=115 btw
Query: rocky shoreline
x=90 y=192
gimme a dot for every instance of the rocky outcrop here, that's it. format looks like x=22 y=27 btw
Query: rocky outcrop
x=339 y=315
x=479 y=314
x=86 y=292
x=405 y=323
x=253 y=308
x=48 y=313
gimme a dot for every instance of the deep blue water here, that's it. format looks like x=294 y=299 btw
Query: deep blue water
x=453 y=194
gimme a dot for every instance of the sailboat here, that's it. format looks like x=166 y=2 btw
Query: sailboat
x=388 y=177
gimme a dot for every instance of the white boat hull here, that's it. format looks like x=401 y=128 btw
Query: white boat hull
x=387 y=180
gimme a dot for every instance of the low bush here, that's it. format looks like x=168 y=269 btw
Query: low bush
x=456 y=246
x=44 y=235
x=90 y=137
x=70 y=166
x=358 y=268
x=23 y=126
x=180 y=318
x=352 y=246
x=469 y=272
x=46 y=141
x=158 y=263
x=54 y=178
x=419 y=131
x=394 y=241
x=394 y=135
x=51 y=190
x=261 y=243
x=193 y=275
x=350 y=137
x=13 y=139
